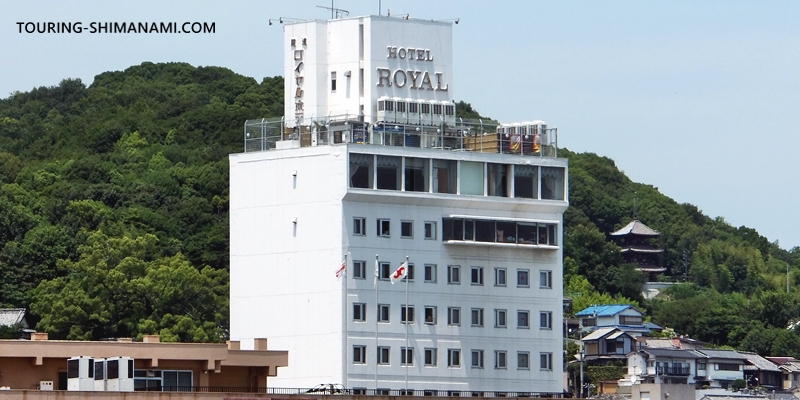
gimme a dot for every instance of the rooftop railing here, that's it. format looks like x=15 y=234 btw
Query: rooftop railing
x=357 y=392
x=465 y=135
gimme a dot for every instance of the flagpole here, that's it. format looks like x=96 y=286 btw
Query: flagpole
x=377 y=315
x=345 y=323
x=407 y=322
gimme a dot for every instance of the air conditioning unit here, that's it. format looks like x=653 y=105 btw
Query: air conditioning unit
x=119 y=374
x=100 y=375
x=80 y=374
x=46 y=385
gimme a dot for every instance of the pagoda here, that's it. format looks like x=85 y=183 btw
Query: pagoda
x=635 y=240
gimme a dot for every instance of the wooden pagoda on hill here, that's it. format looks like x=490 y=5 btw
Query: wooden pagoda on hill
x=635 y=240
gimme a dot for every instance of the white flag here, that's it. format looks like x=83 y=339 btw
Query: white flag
x=400 y=273
x=341 y=269
x=377 y=273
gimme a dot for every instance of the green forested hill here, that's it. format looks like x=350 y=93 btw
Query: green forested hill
x=114 y=218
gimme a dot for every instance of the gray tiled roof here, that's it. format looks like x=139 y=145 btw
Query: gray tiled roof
x=759 y=362
x=671 y=353
x=721 y=354
x=11 y=316
x=636 y=227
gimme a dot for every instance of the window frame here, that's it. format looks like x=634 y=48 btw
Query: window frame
x=527 y=274
x=359 y=226
x=476 y=314
x=384 y=351
x=388 y=313
x=545 y=361
x=526 y=356
x=476 y=359
x=359 y=269
x=453 y=271
x=359 y=354
x=545 y=279
x=453 y=358
x=429 y=230
x=546 y=317
x=405 y=352
x=430 y=353
x=432 y=269
x=527 y=320
x=498 y=358
x=454 y=316
x=381 y=232
x=361 y=315
x=406 y=311
x=403 y=225
x=384 y=271
x=434 y=315
x=498 y=272
x=476 y=279
x=504 y=313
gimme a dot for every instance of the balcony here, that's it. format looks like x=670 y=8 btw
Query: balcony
x=675 y=370
x=465 y=135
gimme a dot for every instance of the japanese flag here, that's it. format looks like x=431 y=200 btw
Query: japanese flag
x=399 y=273
x=341 y=269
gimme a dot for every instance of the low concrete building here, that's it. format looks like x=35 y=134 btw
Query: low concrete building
x=25 y=364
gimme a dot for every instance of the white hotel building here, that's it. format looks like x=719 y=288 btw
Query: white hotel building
x=371 y=165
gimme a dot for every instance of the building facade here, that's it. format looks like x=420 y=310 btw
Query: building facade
x=477 y=229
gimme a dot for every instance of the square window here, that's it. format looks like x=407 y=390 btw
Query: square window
x=454 y=274
x=407 y=314
x=523 y=360
x=477 y=317
x=359 y=354
x=454 y=358
x=360 y=391
x=523 y=319
x=407 y=356
x=383 y=313
x=522 y=278
x=546 y=279
x=430 y=230
x=359 y=269
x=359 y=226
x=359 y=312
x=546 y=320
x=383 y=355
x=477 y=358
x=381 y=392
x=430 y=315
x=454 y=316
x=409 y=273
x=500 y=320
x=430 y=357
x=384 y=228
x=546 y=361
x=430 y=273
x=384 y=271
x=500 y=359
x=499 y=276
x=406 y=229
x=476 y=276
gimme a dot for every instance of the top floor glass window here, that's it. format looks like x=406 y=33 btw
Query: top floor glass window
x=491 y=231
x=552 y=183
x=416 y=174
x=526 y=181
x=445 y=176
x=361 y=170
x=388 y=172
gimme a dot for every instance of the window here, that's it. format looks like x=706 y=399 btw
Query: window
x=359 y=354
x=454 y=358
x=406 y=229
x=383 y=313
x=383 y=355
x=445 y=174
x=546 y=361
x=430 y=357
x=407 y=314
x=546 y=279
x=526 y=181
x=384 y=228
x=500 y=318
x=477 y=358
x=477 y=317
x=499 y=276
x=523 y=360
x=522 y=278
x=500 y=359
x=492 y=231
x=453 y=316
x=454 y=274
x=701 y=366
x=430 y=273
x=333 y=81
x=416 y=173
x=384 y=271
x=476 y=276
x=726 y=367
x=360 y=391
x=546 y=320
x=359 y=226
x=630 y=320
x=359 y=312
x=173 y=381
x=523 y=320
x=552 y=183
x=407 y=356
x=359 y=269
x=430 y=315
x=381 y=392
x=409 y=273
x=472 y=177
x=430 y=230
x=361 y=170
x=388 y=171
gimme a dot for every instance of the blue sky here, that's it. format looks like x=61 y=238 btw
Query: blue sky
x=699 y=99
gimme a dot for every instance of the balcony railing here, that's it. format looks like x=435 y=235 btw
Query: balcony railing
x=364 y=392
x=673 y=370
x=466 y=135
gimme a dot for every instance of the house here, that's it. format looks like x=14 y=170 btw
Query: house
x=607 y=344
x=410 y=249
x=679 y=342
x=719 y=368
x=157 y=366
x=13 y=316
x=623 y=316
x=790 y=370
x=759 y=371
x=657 y=365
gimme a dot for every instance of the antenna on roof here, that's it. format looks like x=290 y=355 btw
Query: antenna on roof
x=336 y=12
x=634 y=205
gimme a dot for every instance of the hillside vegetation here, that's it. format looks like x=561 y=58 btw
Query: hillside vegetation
x=114 y=218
